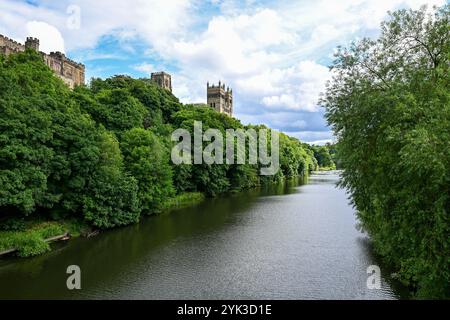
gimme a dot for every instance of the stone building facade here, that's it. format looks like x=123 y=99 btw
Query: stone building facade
x=162 y=79
x=8 y=46
x=219 y=98
x=71 y=72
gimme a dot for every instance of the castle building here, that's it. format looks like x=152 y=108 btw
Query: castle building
x=162 y=79
x=71 y=72
x=219 y=98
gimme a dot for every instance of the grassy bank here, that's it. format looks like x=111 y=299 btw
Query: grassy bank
x=31 y=240
x=183 y=200
x=28 y=236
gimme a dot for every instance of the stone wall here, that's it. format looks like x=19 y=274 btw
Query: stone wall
x=8 y=46
x=71 y=72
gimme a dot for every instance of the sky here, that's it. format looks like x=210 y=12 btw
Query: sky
x=274 y=54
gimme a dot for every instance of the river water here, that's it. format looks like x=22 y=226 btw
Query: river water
x=290 y=241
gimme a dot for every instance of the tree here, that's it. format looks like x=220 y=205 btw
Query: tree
x=115 y=109
x=147 y=160
x=388 y=104
x=210 y=179
x=45 y=140
x=101 y=152
x=111 y=195
x=53 y=156
x=323 y=156
x=160 y=103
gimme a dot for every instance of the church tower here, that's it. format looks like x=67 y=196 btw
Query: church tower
x=219 y=98
x=162 y=79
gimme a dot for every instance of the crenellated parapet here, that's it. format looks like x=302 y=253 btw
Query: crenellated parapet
x=61 y=56
x=220 y=98
x=71 y=72
x=8 y=46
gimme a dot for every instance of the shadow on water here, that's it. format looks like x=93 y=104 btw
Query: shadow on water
x=104 y=257
x=387 y=272
x=278 y=241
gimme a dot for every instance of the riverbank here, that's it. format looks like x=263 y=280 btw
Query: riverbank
x=28 y=238
x=31 y=240
x=183 y=200
x=293 y=240
x=31 y=237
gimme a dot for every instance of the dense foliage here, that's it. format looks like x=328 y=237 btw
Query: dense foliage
x=31 y=242
x=295 y=158
x=101 y=153
x=324 y=155
x=389 y=106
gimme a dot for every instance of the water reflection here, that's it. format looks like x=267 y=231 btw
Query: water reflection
x=286 y=241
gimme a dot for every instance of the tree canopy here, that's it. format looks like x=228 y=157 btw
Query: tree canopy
x=101 y=152
x=388 y=104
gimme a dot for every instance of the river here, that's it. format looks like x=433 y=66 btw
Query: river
x=290 y=241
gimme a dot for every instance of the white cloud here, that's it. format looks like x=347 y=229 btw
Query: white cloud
x=153 y=21
x=336 y=22
x=268 y=55
x=231 y=46
x=298 y=87
x=231 y=49
x=145 y=67
x=321 y=142
x=313 y=137
x=49 y=36
x=272 y=56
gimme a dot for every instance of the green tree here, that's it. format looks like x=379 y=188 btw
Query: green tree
x=210 y=179
x=101 y=152
x=116 y=109
x=388 y=104
x=323 y=156
x=52 y=155
x=160 y=103
x=147 y=160
x=111 y=196
x=45 y=141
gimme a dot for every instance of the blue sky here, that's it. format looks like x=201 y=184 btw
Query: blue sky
x=274 y=54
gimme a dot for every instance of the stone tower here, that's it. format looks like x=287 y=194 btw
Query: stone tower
x=162 y=79
x=219 y=98
x=32 y=43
